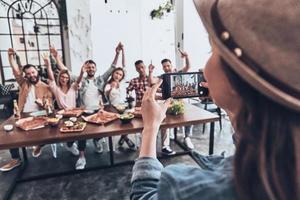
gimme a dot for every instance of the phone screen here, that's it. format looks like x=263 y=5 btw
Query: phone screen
x=183 y=85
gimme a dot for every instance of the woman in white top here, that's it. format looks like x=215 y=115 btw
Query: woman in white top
x=65 y=94
x=113 y=90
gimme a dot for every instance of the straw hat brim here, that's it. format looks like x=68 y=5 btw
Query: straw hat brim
x=204 y=8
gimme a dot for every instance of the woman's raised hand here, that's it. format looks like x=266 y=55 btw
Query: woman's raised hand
x=153 y=112
x=46 y=59
x=53 y=51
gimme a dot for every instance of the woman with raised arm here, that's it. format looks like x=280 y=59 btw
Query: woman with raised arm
x=253 y=74
x=113 y=89
x=65 y=94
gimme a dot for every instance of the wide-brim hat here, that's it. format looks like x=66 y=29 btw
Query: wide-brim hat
x=260 y=40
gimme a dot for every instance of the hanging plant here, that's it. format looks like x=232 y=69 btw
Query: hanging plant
x=161 y=10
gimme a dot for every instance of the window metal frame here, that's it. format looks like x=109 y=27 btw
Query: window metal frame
x=10 y=16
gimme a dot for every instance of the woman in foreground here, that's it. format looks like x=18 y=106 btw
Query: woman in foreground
x=253 y=74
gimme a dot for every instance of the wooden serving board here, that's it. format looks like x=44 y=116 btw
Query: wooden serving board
x=65 y=129
x=76 y=112
x=102 y=117
x=32 y=123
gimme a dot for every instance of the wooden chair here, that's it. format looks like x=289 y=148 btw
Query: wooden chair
x=6 y=99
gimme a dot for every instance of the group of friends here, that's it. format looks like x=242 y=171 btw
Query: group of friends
x=67 y=91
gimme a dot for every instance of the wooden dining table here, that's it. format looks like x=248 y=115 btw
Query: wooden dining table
x=18 y=138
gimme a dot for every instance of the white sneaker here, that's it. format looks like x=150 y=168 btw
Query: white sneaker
x=73 y=149
x=98 y=146
x=80 y=164
x=188 y=143
x=168 y=151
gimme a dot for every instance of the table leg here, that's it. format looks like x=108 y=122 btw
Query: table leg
x=111 y=150
x=211 y=138
x=175 y=134
x=25 y=158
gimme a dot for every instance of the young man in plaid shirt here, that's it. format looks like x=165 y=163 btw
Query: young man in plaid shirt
x=139 y=84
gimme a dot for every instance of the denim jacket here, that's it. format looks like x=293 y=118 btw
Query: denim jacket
x=150 y=180
x=99 y=81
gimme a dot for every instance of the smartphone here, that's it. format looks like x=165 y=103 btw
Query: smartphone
x=183 y=85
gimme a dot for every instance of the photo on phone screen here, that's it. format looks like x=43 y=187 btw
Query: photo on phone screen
x=183 y=85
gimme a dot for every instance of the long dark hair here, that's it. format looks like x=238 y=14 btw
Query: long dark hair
x=265 y=165
x=112 y=78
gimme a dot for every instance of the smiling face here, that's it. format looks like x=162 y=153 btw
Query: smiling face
x=118 y=75
x=64 y=79
x=167 y=67
x=91 y=70
x=32 y=75
x=140 y=68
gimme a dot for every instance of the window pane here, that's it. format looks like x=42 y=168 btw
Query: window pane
x=3 y=10
x=31 y=42
x=54 y=22
x=56 y=41
x=19 y=42
x=43 y=42
x=4 y=26
x=22 y=56
x=8 y=73
x=51 y=11
x=16 y=26
x=4 y=58
x=33 y=57
x=5 y=42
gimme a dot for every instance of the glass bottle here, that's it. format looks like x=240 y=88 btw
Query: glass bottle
x=101 y=104
x=17 y=113
x=48 y=108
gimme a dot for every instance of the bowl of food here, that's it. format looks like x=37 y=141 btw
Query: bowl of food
x=53 y=121
x=8 y=127
x=121 y=108
x=176 y=108
x=126 y=118
x=73 y=119
x=69 y=123
x=58 y=116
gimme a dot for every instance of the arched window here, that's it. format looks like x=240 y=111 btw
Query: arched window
x=30 y=27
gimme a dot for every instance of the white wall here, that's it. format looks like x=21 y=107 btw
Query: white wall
x=195 y=37
x=79 y=24
x=129 y=21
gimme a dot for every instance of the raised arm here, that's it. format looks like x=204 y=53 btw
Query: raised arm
x=153 y=113
x=60 y=64
x=82 y=71
x=152 y=80
x=116 y=58
x=187 y=66
x=11 y=53
x=123 y=55
x=46 y=60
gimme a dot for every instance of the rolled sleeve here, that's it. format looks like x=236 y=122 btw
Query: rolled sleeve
x=146 y=168
x=145 y=179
